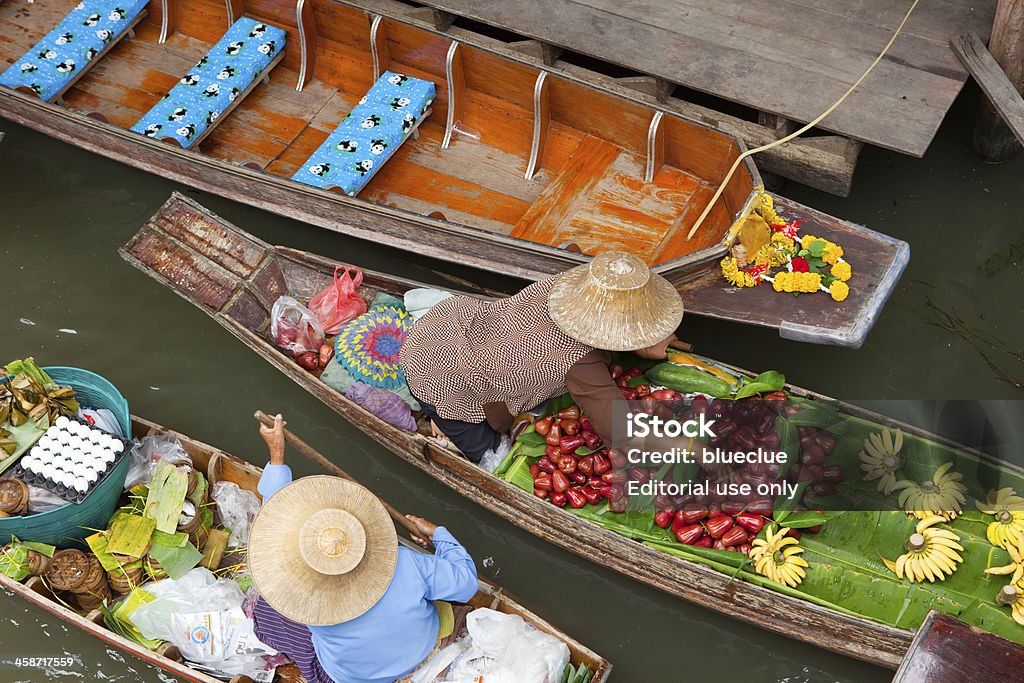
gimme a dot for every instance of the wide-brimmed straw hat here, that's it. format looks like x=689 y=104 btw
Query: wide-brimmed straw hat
x=615 y=303
x=322 y=550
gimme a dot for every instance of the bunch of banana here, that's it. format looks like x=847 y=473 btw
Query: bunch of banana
x=1016 y=566
x=1012 y=596
x=942 y=495
x=1008 y=509
x=880 y=459
x=24 y=398
x=931 y=553
x=777 y=556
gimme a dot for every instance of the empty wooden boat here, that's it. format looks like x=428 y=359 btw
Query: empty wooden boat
x=220 y=466
x=236 y=278
x=515 y=166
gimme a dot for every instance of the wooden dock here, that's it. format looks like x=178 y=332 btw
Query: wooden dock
x=785 y=61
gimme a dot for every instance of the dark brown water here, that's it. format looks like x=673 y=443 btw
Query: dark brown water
x=67 y=298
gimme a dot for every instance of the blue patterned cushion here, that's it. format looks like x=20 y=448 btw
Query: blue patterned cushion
x=370 y=134
x=68 y=49
x=209 y=87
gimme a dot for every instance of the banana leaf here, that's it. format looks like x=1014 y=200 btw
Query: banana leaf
x=166 y=496
x=176 y=560
x=519 y=474
x=130 y=535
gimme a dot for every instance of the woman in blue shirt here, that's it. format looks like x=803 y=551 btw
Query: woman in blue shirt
x=339 y=596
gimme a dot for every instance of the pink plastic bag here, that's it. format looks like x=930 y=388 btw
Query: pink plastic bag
x=294 y=328
x=339 y=303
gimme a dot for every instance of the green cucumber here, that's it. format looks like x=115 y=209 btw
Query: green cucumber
x=687 y=380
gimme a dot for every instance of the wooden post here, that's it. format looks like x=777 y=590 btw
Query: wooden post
x=993 y=140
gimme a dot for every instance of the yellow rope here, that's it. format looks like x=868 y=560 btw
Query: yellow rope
x=801 y=131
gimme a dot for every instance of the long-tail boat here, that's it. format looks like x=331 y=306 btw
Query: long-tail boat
x=506 y=165
x=235 y=278
x=220 y=466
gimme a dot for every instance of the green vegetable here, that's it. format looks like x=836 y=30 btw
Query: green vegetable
x=688 y=380
x=762 y=384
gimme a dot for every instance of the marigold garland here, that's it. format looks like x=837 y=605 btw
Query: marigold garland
x=807 y=263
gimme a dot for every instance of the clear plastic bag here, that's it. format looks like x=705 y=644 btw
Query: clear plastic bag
x=237 y=510
x=294 y=328
x=338 y=302
x=41 y=500
x=503 y=648
x=148 y=452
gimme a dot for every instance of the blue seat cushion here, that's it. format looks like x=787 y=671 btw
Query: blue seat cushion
x=67 y=50
x=202 y=95
x=370 y=134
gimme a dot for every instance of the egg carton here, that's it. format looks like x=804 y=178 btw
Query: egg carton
x=71 y=459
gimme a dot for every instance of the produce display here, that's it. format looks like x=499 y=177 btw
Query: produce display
x=882 y=524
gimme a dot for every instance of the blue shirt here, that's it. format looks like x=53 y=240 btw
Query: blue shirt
x=395 y=635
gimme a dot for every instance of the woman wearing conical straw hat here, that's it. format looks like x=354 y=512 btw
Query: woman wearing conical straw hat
x=474 y=364
x=338 y=595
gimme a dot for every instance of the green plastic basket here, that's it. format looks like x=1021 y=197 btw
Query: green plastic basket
x=68 y=525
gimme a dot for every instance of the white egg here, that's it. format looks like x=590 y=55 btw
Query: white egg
x=62 y=421
x=117 y=447
x=91 y=476
x=63 y=438
x=67 y=479
x=47 y=471
x=27 y=462
x=81 y=484
x=31 y=465
x=94 y=436
x=108 y=457
x=44 y=441
x=78 y=470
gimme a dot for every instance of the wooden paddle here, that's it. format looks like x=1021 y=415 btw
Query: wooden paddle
x=311 y=453
x=681 y=346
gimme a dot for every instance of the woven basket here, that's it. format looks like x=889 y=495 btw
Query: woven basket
x=66 y=526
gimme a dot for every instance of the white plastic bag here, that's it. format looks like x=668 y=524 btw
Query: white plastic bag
x=203 y=616
x=503 y=648
x=103 y=419
x=41 y=500
x=237 y=510
x=148 y=452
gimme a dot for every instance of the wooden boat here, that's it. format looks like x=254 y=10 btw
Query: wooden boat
x=518 y=165
x=220 y=466
x=235 y=278
x=946 y=650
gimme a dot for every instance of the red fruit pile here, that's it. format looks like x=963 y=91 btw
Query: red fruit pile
x=567 y=478
x=640 y=391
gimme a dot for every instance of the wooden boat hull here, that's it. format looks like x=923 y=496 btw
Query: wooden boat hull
x=619 y=198
x=235 y=279
x=219 y=465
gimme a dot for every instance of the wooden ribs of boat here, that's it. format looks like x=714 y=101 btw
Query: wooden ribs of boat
x=235 y=278
x=521 y=162
x=221 y=466
x=946 y=650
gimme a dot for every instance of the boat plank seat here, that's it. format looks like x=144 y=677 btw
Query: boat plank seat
x=599 y=201
x=73 y=46
x=376 y=127
x=234 y=66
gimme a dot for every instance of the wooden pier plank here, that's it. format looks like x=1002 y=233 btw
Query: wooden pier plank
x=992 y=79
x=787 y=57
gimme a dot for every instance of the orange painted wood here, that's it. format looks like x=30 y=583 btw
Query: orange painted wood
x=566 y=191
x=605 y=116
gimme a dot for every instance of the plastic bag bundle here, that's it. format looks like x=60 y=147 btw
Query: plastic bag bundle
x=202 y=615
x=339 y=303
x=499 y=648
x=237 y=510
x=294 y=328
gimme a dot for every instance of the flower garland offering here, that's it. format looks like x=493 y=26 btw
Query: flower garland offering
x=805 y=264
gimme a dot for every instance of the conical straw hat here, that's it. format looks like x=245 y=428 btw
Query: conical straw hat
x=615 y=303
x=322 y=550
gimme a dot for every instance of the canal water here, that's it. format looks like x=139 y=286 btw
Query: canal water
x=953 y=329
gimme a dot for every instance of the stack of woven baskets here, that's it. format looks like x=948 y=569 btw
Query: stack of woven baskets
x=81 y=575
x=13 y=498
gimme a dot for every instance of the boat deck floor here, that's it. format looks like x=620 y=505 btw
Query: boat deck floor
x=588 y=192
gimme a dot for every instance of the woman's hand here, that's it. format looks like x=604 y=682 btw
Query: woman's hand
x=425 y=528
x=274 y=436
